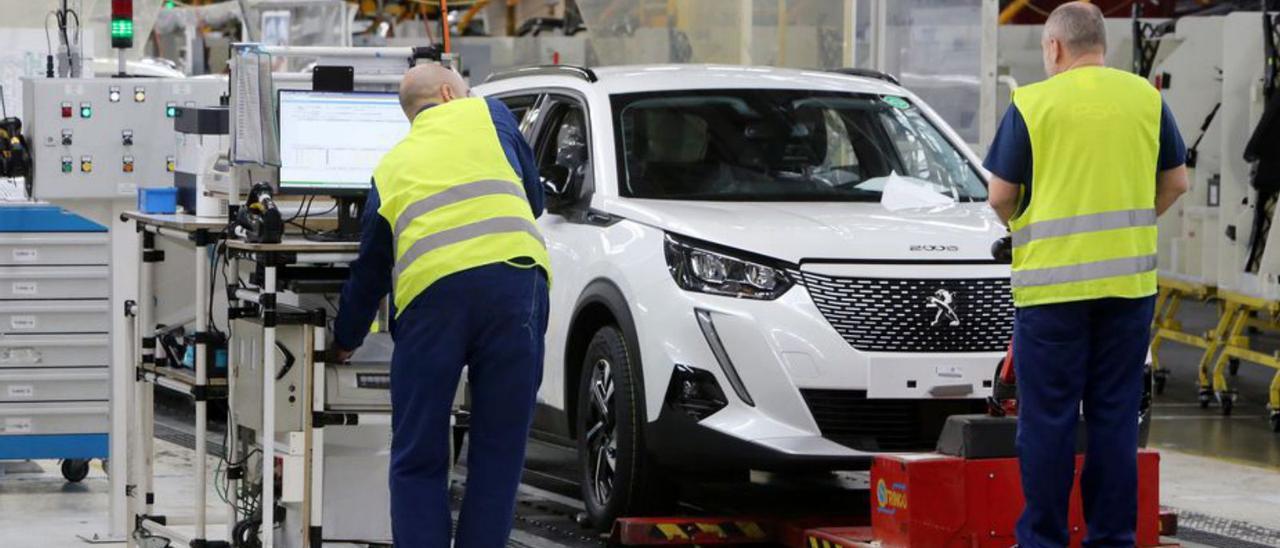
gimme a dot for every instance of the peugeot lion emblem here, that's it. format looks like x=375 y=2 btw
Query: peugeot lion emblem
x=942 y=301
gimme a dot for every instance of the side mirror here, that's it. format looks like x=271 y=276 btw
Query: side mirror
x=560 y=186
x=555 y=180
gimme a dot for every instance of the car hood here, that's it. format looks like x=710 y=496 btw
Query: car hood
x=800 y=231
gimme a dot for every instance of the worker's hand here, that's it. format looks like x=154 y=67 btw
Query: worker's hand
x=340 y=355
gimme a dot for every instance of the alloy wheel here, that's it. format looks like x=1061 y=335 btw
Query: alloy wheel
x=602 y=438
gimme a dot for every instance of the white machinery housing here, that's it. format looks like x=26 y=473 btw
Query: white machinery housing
x=105 y=137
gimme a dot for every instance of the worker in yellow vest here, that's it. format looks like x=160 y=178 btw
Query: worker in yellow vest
x=449 y=232
x=1082 y=165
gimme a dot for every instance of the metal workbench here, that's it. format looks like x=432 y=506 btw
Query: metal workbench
x=273 y=266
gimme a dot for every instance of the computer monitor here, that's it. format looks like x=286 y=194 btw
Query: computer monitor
x=330 y=143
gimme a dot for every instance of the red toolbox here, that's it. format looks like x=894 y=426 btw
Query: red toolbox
x=941 y=501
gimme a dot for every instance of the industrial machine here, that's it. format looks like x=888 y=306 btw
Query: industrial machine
x=104 y=138
x=202 y=173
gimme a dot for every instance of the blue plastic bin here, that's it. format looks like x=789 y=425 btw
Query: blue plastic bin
x=158 y=200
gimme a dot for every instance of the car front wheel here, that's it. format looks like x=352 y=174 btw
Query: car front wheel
x=618 y=476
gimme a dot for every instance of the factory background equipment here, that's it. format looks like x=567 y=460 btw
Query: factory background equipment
x=54 y=352
x=104 y=138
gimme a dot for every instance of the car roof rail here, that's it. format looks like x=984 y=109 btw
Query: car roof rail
x=867 y=73
x=582 y=73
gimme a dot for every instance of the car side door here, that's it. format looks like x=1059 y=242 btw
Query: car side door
x=562 y=140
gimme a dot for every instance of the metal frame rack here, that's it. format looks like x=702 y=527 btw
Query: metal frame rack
x=197 y=234
x=277 y=266
x=274 y=260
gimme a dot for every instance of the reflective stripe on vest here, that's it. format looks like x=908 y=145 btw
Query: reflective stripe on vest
x=453 y=200
x=496 y=225
x=1096 y=222
x=454 y=195
x=1089 y=228
x=1084 y=272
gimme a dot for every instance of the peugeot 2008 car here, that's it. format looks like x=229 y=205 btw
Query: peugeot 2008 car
x=754 y=269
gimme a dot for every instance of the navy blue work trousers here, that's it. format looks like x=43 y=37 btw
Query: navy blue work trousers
x=1089 y=352
x=493 y=320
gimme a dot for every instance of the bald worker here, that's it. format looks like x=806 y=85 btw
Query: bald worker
x=1081 y=167
x=449 y=231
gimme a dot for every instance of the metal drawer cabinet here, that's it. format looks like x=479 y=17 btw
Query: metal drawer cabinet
x=20 y=419
x=46 y=385
x=30 y=351
x=53 y=248
x=60 y=282
x=54 y=316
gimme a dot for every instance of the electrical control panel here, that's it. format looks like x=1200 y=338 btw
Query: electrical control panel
x=106 y=137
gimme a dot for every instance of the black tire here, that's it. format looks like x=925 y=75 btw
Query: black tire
x=1228 y=402
x=1205 y=398
x=1275 y=421
x=75 y=470
x=618 y=476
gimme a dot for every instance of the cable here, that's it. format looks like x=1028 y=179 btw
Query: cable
x=48 y=42
x=66 y=40
x=219 y=253
x=305 y=204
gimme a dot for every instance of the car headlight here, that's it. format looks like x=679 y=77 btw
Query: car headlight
x=704 y=268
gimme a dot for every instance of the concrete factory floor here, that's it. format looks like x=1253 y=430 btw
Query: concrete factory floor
x=1221 y=474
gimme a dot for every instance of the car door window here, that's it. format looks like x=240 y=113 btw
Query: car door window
x=522 y=106
x=564 y=139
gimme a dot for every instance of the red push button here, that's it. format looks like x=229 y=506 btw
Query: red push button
x=66 y=110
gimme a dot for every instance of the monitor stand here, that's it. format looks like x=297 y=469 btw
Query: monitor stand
x=350 y=213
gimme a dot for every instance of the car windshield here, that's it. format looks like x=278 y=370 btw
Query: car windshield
x=782 y=145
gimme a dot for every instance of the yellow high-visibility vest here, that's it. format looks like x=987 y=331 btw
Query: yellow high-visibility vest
x=1089 y=231
x=453 y=200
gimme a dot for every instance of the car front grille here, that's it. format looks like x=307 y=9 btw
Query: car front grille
x=915 y=315
x=848 y=418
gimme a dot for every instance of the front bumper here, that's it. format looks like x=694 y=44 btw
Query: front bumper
x=815 y=401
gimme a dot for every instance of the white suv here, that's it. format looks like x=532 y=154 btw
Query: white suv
x=754 y=268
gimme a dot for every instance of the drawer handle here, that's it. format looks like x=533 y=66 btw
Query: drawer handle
x=14 y=356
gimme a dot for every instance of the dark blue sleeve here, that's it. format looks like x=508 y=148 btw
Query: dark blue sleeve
x=1173 y=152
x=519 y=153
x=1009 y=157
x=369 y=279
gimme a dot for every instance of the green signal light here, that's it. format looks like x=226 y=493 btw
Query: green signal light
x=122 y=33
x=171 y=111
x=168 y=4
x=86 y=112
x=122 y=28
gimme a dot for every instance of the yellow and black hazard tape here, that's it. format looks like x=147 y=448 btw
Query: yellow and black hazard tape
x=747 y=531
x=815 y=541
